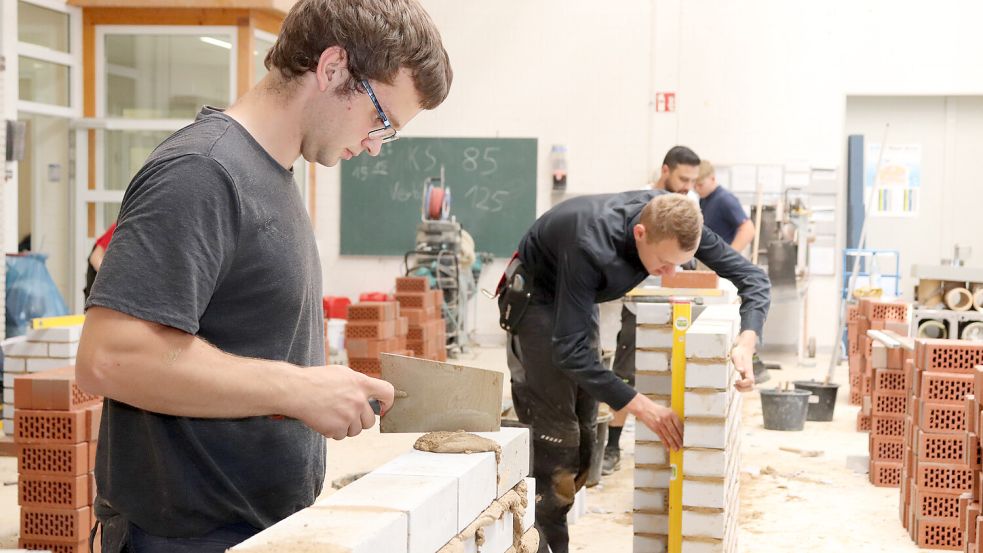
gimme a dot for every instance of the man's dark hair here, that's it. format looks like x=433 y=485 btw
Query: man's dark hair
x=680 y=155
x=380 y=37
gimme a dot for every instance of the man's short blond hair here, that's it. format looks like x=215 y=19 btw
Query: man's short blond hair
x=673 y=216
x=706 y=170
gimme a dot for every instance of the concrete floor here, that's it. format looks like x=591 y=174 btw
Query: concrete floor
x=788 y=502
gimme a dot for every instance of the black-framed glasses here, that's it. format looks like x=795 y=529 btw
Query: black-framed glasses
x=387 y=133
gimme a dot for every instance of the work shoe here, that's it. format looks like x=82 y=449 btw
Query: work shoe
x=760 y=371
x=612 y=460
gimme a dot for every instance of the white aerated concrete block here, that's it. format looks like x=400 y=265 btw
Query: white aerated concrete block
x=8 y=427
x=697 y=493
x=474 y=473
x=324 y=528
x=649 y=453
x=8 y=411
x=704 y=462
x=707 y=525
x=61 y=334
x=690 y=546
x=650 y=544
x=708 y=341
x=716 y=376
x=646 y=477
x=656 y=361
x=66 y=350
x=36 y=365
x=653 y=383
x=705 y=434
x=649 y=337
x=8 y=395
x=706 y=404
x=530 y=518
x=878 y=355
x=13 y=365
x=579 y=507
x=652 y=500
x=428 y=502
x=653 y=313
x=514 y=465
x=645 y=523
x=23 y=348
x=498 y=535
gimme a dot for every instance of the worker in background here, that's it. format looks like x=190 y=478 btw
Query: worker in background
x=582 y=252
x=722 y=211
x=204 y=328
x=678 y=174
x=95 y=258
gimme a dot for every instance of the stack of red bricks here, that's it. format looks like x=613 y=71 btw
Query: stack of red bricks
x=427 y=336
x=55 y=427
x=941 y=459
x=969 y=503
x=869 y=314
x=373 y=328
x=887 y=403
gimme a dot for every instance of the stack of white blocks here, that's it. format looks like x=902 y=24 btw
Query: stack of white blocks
x=416 y=503
x=710 y=438
x=39 y=350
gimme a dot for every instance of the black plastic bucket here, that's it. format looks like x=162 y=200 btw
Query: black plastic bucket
x=823 y=400
x=784 y=410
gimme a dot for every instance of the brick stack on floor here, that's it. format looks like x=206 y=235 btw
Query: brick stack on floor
x=711 y=440
x=887 y=403
x=869 y=314
x=941 y=454
x=969 y=503
x=39 y=350
x=55 y=427
x=374 y=327
x=427 y=337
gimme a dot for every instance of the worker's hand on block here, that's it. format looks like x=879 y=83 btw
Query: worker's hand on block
x=661 y=420
x=338 y=403
x=742 y=355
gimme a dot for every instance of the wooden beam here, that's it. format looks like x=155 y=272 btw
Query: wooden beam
x=165 y=16
x=244 y=56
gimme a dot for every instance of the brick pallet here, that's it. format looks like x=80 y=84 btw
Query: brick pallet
x=56 y=426
x=423 y=307
x=711 y=441
x=870 y=314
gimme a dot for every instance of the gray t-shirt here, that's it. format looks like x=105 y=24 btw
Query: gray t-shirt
x=214 y=240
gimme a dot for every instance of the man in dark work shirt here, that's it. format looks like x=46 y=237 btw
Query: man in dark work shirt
x=585 y=251
x=722 y=211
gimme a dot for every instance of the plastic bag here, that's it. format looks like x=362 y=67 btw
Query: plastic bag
x=31 y=292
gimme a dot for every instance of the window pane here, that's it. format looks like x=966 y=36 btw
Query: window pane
x=43 y=81
x=260 y=48
x=41 y=26
x=126 y=151
x=166 y=76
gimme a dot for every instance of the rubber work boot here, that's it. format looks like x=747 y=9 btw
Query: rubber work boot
x=612 y=461
x=760 y=371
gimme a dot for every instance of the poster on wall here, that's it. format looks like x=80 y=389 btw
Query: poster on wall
x=898 y=183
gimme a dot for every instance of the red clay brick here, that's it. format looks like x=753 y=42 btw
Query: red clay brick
x=943 y=448
x=93 y=449
x=951 y=355
x=53 y=427
x=690 y=279
x=968 y=521
x=887 y=425
x=51 y=390
x=41 y=545
x=416 y=317
x=402 y=326
x=424 y=330
x=936 y=504
x=377 y=330
x=946 y=387
x=888 y=403
x=417 y=300
x=369 y=348
x=886 y=448
x=55 y=525
x=93 y=418
x=371 y=367
x=939 y=534
x=889 y=380
x=863 y=422
x=412 y=284
x=944 y=477
x=54 y=492
x=885 y=474
x=885 y=311
x=942 y=417
x=373 y=311
x=54 y=459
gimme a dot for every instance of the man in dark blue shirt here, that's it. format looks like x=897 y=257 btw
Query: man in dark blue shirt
x=722 y=211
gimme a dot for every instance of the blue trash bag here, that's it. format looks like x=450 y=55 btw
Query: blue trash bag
x=31 y=292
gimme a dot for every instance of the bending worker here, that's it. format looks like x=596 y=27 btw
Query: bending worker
x=585 y=251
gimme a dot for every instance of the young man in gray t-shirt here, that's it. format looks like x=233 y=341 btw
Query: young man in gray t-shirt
x=204 y=324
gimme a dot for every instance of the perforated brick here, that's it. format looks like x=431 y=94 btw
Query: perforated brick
x=58 y=492
x=884 y=404
x=951 y=355
x=886 y=311
x=852 y=313
x=946 y=387
x=424 y=331
x=376 y=330
x=889 y=380
x=942 y=417
x=887 y=425
x=945 y=477
x=367 y=348
x=56 y=427
x=863 y=422
x=690 y=279
x=371 y=367
x=417 y=300
x=885 y=448
x=40 y=545
x=372 y=311
x=942 y=448
x=885 y=474
x=412 y=284
x=57 y=525
x=936 y=505
x=939 y=534
x=51 y=390
x=54 y=459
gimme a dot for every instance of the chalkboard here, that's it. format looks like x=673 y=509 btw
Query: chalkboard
x=492 y=182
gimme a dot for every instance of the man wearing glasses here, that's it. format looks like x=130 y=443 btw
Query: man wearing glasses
x=204 y=328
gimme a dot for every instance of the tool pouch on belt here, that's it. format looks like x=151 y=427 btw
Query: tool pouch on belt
x=515 y=296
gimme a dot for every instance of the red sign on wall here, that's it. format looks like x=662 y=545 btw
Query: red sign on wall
x=665 y=101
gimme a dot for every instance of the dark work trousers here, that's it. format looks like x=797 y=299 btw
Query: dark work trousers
x=562 y=419
x=119 y=536
x=624 y=355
